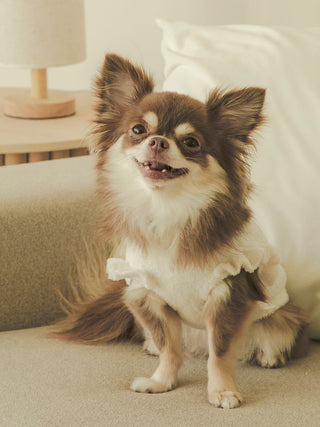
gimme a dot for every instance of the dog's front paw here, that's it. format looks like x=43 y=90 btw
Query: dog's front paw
x=117 y=268
x=149 y=385
x=225 y=399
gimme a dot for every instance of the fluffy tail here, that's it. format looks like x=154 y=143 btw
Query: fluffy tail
x=95 y=307
x=278 y=338
x=103 y=319
x=299 y=319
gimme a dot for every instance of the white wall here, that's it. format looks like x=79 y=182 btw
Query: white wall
x=128 y=28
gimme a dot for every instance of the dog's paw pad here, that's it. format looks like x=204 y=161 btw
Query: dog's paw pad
x=148 y=385
x=225 y=399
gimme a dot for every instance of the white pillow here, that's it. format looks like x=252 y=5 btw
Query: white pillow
x=286 y=171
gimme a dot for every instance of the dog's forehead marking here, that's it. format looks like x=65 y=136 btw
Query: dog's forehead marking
x=183 y=129
x=151 y=118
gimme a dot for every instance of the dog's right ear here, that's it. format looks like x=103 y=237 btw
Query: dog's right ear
x=120 y=84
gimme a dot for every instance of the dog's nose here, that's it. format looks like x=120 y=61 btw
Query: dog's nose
x=158 y=144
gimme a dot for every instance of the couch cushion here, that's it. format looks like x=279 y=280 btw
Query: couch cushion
x=46 y=212
x=45 y=382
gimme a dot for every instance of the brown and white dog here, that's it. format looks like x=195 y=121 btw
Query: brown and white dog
x=172 y=182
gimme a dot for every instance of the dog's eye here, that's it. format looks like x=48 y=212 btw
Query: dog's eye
x=139 y=129
x=191 y=142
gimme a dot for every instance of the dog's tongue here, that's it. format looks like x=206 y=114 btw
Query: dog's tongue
x=154 y=165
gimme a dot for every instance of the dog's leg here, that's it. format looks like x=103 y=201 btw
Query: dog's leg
x=228 y=313
x=148 y=345
x=163 y=323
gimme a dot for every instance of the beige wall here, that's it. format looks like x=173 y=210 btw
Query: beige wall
x=127 y=27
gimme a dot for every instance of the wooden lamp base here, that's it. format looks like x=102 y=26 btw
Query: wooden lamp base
x=22 y=105
x=39 y=103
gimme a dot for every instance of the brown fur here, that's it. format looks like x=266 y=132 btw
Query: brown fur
x=215 y=228
x=118 y=85
x=288 y=321
x=292 y=317
x=104 y=319
x=165 y=327
x=232 y=117
x=224 y=126
x=112 y=225
x=228 y=315
x=150 y=312
x=228 y=320
x=221 y=388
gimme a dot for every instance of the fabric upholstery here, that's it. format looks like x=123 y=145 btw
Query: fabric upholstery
x=46 y=211
x=45 y=382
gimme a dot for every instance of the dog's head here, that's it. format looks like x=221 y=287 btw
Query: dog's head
x=168 y=136
x=172 y=145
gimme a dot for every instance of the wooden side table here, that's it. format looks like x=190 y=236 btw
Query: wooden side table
x=32 y=140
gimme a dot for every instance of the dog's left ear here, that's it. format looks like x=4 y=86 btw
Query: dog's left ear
x=237 y=113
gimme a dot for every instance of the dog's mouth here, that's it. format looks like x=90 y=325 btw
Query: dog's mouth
x=157 y=170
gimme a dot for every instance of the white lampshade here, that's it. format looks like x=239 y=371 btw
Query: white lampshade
x=41 y=33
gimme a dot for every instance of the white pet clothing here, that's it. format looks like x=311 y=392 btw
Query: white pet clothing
x=186 y=290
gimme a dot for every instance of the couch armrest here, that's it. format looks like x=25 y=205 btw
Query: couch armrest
x=46 y=212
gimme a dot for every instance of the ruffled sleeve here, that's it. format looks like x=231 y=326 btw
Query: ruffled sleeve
x=251 y=251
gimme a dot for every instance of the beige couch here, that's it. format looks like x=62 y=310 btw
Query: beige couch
x=45 y=214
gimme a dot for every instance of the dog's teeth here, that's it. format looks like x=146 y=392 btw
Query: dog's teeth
x=147 y=167
x=164 y=170
x=145 y=163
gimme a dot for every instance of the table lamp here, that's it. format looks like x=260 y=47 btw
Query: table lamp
x=38 y=34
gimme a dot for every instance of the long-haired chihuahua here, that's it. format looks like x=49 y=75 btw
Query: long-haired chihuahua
x=172 y=185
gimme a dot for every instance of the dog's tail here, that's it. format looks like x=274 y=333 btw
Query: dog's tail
x=103 y=319
x=95 y=306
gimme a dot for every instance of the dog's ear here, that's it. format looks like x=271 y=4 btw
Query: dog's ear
x=121 y=83
x=237 y=113
x=232 y=116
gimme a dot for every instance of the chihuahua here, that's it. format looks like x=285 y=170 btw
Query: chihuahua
x=172 y=184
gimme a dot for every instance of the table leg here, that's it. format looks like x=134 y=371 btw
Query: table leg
x=38 y=157
x=1 y=159
x=15 y=158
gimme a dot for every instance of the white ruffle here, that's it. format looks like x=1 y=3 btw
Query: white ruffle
x=251 y=252
x=187 y=290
